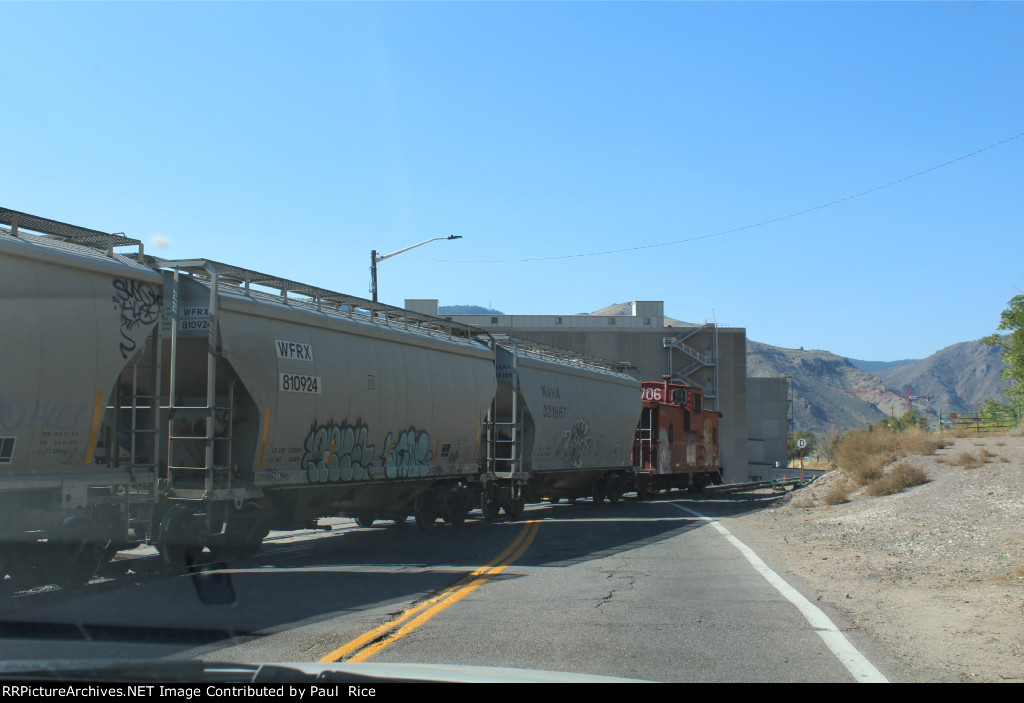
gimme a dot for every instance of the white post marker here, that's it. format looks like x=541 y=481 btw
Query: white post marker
x=850 y=657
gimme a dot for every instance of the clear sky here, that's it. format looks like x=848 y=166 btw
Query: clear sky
x=293 y=138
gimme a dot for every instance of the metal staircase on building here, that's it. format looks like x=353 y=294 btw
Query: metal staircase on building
x=694 y=360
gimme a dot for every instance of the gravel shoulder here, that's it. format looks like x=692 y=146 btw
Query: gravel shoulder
x=935 y=574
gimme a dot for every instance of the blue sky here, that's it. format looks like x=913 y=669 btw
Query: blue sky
x=293 y=138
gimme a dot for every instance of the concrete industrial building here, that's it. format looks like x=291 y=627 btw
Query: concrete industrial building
x=704 y=355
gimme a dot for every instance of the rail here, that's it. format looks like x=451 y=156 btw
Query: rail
x=777 y=483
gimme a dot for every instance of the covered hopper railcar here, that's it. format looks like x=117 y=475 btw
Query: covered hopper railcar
x=561 y=421
x=194 y=404
x=74 y=316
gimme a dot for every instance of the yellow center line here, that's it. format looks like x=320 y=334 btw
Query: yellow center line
x=420 y=613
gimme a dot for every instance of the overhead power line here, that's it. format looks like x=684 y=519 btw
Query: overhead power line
x=734 y=229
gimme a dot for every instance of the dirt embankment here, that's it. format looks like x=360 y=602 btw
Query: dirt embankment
x=936 y=573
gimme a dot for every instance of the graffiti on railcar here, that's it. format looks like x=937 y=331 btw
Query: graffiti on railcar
x=338 y=452
x=139 y=305
x=576 y=443
x=51 y=415
x=408 y=455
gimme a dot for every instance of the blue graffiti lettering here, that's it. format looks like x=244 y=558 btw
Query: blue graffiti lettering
x=336 y=452
x=407 y=456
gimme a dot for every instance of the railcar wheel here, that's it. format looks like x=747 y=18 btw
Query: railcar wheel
x=80 y=551
x=364 y=520
x=426 y=510
x=243 y=534
x=614 y=488
x=514 y=509
x=400 y=520
x=553 y=500
x=182 y=538
x=491 y=509
x=459 y=505
x=597 y=492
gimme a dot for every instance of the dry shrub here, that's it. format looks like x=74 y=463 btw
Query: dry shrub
x=919 y=441
x=839 y=492
x=902 y=475
x=802 y=502
x=968 y=460
x=864 y=454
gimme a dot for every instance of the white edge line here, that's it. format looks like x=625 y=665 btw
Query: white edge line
x=850 y=657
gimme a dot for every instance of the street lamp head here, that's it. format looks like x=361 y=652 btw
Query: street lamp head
x=374 y=260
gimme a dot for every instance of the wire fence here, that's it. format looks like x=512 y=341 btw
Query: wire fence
x=981 y=421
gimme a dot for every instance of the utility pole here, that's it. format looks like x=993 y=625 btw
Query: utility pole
x=374 y=260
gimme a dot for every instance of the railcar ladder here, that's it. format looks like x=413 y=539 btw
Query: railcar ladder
x=136 y=401
x=504 y=442
x=144 y=419
x=214 y=476
x=645 y=439
x=505 y=438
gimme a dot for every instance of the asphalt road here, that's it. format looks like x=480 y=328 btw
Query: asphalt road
x=636 y=590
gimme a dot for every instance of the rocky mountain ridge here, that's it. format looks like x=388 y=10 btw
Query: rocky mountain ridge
x=958 y=378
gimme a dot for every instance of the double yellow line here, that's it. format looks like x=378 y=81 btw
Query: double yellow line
x=372 y=642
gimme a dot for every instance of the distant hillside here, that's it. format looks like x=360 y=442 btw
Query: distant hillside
x=819 y=377
x=961 y=377
x=627 y=309
x=466 y=310
x=876 y=366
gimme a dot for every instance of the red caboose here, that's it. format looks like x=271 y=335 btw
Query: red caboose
x=676 y=441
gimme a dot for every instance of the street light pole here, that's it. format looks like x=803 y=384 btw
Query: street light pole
x=374 y=260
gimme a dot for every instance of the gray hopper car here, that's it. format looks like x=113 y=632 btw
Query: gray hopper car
x=194 y=404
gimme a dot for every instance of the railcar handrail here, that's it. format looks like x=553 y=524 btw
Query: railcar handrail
x=565 y=356
x=318 y=297
x=63 y=231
